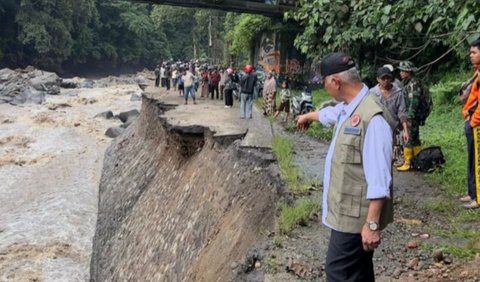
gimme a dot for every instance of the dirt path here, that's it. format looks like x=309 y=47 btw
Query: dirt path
x=301 y=256
x=51 y=157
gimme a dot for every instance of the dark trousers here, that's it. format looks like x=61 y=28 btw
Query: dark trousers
x=228 y=97
x=346 y=259
x=157 y=81
x=213 y=88
x=167 y=83
x=472 y=191
x=222 y=91
x=162 y=81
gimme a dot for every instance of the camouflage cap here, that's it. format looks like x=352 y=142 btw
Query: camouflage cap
x=407 y=66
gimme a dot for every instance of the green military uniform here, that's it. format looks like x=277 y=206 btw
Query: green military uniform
x=412 y=92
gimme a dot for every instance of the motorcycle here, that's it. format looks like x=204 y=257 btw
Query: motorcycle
x=302 y=104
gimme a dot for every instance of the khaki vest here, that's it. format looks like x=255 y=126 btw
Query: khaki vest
x=347 y=203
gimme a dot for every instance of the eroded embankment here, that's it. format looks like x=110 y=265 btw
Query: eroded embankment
x=178 y=203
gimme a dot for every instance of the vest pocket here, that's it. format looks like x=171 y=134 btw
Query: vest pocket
x=351 y=201
x=351 y=150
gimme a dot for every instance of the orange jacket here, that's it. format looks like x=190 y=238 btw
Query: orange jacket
x=471 y=109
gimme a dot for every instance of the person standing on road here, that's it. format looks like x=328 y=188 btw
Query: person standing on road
x=168 y=77
x=204 y=84
x=247 y=84
x=214 y=81
x=357 y=193
x=175 y=75
x=390 y=95
x=471 y=113
x=162 y=75
x=223 y=77
x=157 y=76
x=285 y=101
x=188 y=85
x=181 y=89
x=412 y=91
x=269 y=95
x=229 y=85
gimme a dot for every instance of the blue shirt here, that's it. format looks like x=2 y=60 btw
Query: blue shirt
x=376 y=155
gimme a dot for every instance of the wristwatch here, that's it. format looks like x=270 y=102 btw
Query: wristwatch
x=372 y=225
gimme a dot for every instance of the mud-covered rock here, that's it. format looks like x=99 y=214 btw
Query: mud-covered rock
x=114 y=131
x=27 y=86
x=437 y=255
x=48 y=82
x=77 y=82
x=105 y=115
x=128 y=116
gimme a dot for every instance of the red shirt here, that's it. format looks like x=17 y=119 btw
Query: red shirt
x=215 y=77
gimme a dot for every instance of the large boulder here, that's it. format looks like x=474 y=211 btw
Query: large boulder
x=105 y=115
x=6 y=74
x=114 y=131
x=77 y=82
x=48 y=82
x=128 y=116
x=27 y=86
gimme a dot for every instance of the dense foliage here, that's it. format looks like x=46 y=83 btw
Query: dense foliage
x=52 y=34
x=387 y=31
x=242 y=31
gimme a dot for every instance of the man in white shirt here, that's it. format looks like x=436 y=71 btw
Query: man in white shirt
x=357 y=194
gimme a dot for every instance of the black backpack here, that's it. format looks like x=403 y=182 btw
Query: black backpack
x=428 y=159
x=425 y=105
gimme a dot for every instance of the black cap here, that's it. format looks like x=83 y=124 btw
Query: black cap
x=384 y=71
x=334 y=63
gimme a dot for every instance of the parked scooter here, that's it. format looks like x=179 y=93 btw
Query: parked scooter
x=302 y=104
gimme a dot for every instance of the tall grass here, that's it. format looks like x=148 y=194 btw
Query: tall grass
x=283 y=149
x=445 y=128
x=298 y=214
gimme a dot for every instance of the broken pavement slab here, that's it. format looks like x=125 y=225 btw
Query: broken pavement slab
x=224 y=122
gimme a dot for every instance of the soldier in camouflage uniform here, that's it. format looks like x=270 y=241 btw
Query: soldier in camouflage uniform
x=412 y=91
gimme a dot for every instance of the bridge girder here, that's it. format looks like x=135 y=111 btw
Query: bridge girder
x=238 y=6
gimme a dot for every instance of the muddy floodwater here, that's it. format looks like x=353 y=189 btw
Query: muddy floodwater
x=50 y=164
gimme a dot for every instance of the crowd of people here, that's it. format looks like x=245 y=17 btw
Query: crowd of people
x=189 y=79
x=220 y=83
x=357 y=183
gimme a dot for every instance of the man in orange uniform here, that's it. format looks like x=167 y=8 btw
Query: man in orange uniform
x=471 y=114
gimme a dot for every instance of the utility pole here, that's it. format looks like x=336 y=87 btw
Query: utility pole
x=210 y=43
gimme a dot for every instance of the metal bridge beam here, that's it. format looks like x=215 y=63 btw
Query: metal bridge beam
x=239 y=6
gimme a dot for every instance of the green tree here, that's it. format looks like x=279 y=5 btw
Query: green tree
x=127 y=35
x=247 y=28
x=47 y=28
x=373 y=30
x=10 y=48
